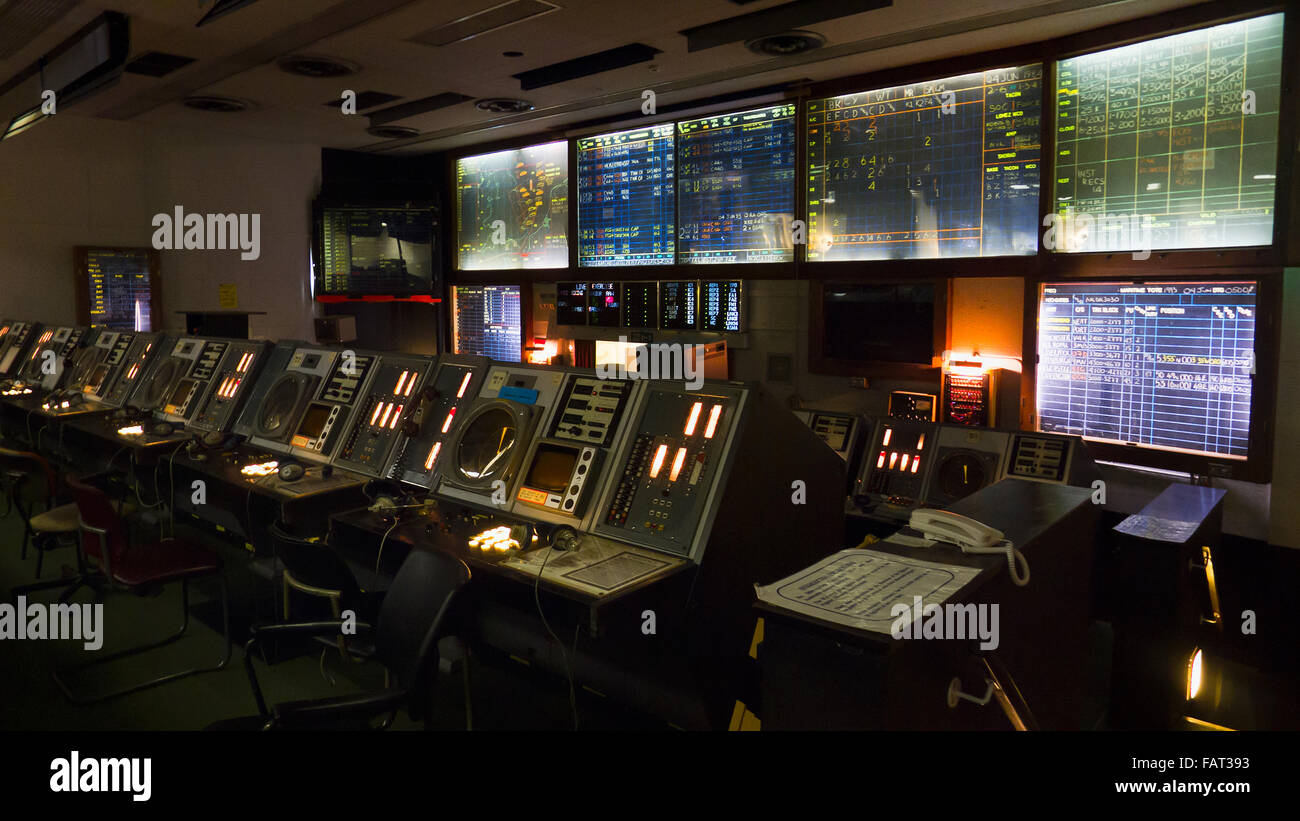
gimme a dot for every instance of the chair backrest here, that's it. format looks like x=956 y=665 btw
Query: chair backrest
x=38 y=482
x=313 y=563
x=96 y=511
x=412 y=617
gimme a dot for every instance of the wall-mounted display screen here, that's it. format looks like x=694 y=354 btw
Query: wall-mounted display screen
x=603 y=305
x=626 y=198
x=376 y=251
x=944 y=168
x=735 y=187
x=879 y=322
x=512 y=209
x=116 y=288
x=1160 y=364
x=571 y=303
x=487 y=320
x=677 y=307
x=1170 y=143
x=640 y=304
x=720 y=304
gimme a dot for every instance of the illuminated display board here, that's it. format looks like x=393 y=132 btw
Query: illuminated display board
x=1170 y=143
x=735 y=187
x=512 y=209
x=626 y=202
x=943 y=168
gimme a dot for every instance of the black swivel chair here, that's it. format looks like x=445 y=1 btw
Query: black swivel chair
x=412 y=619
x=312 y=567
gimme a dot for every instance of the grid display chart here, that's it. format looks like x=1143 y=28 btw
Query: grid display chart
x=1161 y=365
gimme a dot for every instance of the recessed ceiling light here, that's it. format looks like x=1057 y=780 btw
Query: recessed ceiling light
x=225 y=105
x=504 y=105
x=316 y=65
x=392 y=132
x=786 y=43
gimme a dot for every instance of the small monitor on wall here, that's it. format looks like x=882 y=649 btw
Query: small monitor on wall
x=869 y=327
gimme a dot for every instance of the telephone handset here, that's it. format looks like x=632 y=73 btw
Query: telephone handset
x=972 y=537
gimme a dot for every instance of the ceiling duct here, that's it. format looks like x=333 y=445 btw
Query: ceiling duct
x=481 y=22
x=601 y=61
x=84 y=64
x=414 y=108
x=221 y=8
x=775 y=20
x=157 y=64
x=221 y=105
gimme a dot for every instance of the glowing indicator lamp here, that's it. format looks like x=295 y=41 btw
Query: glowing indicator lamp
x=678 y=461
x=1194 y=674
x=694 y=418
x=658 y=463
x=712 y=427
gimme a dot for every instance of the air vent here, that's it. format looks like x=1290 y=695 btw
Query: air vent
x=225 y=105
x=497 y=17
x=586 y=66
x=315 y=65
x=367 y=99
x=504 y=105
x=786 y=43
x=391 y=132
x=416 y=107
x=786 y=17
x=24 y=21
x=157 y=64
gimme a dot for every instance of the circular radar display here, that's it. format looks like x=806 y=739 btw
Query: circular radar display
x=279 y=405
x=486 y=444
x=961 y=475
x=161 y=382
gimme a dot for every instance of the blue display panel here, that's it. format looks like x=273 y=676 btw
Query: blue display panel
x=1170 y=143
x=735 y=187
x=944 y=168
x=720 y=304
x=677 y=307
x=1163 y=365
x=488 y=321
x=512 y=209
x=626 y=203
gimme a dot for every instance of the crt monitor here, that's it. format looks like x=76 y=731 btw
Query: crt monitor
x=1158 y=373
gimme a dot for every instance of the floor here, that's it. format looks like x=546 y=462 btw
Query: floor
x=501 y=698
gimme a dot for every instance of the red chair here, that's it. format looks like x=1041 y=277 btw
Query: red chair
x=104 y=542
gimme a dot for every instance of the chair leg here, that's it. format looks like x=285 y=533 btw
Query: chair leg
x=185 y=623
x=40 y=553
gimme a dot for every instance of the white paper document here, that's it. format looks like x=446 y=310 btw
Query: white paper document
x=859 y=588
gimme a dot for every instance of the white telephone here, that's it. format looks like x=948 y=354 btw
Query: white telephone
x=971 y=536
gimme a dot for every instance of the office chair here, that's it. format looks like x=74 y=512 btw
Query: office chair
x=412 y=620
x=104 y=540
x=312 y=567
x=32 y=486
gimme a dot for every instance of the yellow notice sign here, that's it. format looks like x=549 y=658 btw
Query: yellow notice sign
x=228 y=295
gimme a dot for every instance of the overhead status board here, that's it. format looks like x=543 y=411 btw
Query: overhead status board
x=1163 y=365
x=512 y=209
x=488 y=321
x=626 y=198
x=942 y=168
x=1170 y=143
x=735 y=185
